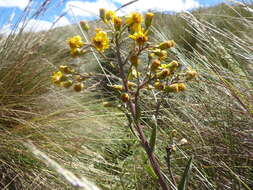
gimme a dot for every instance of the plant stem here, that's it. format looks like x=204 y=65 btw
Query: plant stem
x=133 y=111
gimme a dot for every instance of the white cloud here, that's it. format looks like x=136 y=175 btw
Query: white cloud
x=88 y=9
x=62 y=21
x=35 y=25
x=159 y=5
x=6 y=29
x=42 y=25
x=14 y=3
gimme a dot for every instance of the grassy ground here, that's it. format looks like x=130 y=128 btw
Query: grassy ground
x=215 y=114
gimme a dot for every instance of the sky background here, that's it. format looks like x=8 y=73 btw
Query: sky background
x=69 y=11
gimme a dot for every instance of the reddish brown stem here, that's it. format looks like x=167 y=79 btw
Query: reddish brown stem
x=143 y=139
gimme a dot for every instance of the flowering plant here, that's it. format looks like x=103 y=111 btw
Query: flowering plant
x=142 y=67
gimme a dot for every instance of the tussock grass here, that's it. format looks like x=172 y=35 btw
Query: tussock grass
x=215 y=115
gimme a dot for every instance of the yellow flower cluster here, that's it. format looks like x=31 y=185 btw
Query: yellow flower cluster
x=75 y=43
x=162 y=75
x=100 y=40
x=65 y=78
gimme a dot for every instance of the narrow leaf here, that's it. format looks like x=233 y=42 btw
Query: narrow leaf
x=152 y=140
x=151 y=172
x=186 y=175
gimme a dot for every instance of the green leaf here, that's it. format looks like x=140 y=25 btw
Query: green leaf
x=151 y=172
x=152 y=140
x=186 y=175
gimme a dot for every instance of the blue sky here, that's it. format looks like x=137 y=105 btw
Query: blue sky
x=11 y=10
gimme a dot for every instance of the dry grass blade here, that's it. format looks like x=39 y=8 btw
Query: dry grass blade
x=82 y=183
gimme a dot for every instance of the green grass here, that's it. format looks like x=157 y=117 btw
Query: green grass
x=215 y=114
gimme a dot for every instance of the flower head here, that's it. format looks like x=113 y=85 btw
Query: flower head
x=100 y=40
x=134 y=20
x=109 y=15
x=139 y=37
x=75 y=42
x=57 y=78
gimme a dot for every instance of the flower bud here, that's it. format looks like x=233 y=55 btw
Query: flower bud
x=117 y=87
x=117 y=23
x=134 y=60
x=191 y=74
x=167 y=44
x=131 y=84
x=155 y=65
x=67 y=83
x=163 y=74
x=173 y=66
x=174 y=133
x=84 y=25
x=124 y=97
x=107 y=104
x=182 y=142
x=78 y=86
x=65 y=69
x=181 y=87
x=159 y=86
x=148 y=19
x=177 y=87
x=102 y=14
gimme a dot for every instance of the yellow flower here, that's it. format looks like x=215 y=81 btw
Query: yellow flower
x=100 y=40
x=76 y=52
x=109 y=15
x=139 y=37
x=57 y=78
x=75 y=42
x=134 y=20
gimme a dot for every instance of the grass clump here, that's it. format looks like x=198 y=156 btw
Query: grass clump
x=214 y=115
